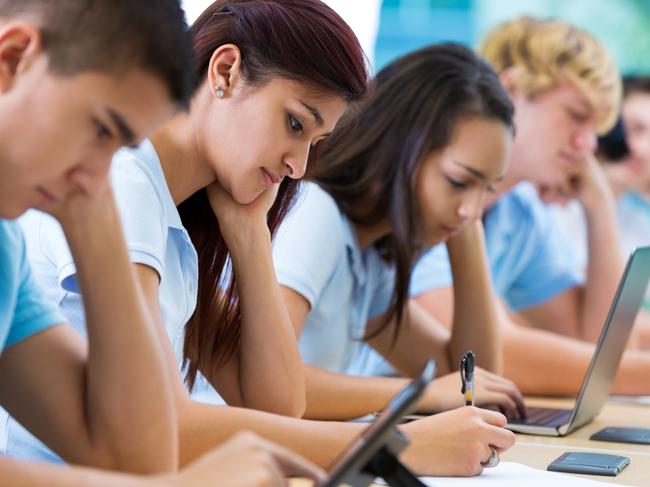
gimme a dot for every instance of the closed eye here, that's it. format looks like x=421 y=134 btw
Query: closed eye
x=101 y=131
x=295 y=126
x=456 y=183
x=578 y=116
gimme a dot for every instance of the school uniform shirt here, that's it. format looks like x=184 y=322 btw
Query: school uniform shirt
x=316 y=253
x=530 y=257
x=633 y=221
x=155 y=237
x=24 y=309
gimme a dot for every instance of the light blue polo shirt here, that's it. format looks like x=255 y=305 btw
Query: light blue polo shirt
x=633 y=220
x=24 y=309
x=317 y=254
x=530 y=257
x=155 y=237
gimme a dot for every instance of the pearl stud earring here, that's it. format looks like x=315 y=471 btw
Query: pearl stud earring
x=219 y=92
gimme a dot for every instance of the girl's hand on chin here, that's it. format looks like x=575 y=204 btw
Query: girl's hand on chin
x=236 y=219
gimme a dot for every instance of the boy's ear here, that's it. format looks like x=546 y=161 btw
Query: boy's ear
x=20 y=43
x=508 y=79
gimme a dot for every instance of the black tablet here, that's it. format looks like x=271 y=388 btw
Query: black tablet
x=354 y=459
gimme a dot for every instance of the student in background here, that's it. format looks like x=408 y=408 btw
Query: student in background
x=565 y=89
x=386 y=186
x=624 y=153
x=98 y=92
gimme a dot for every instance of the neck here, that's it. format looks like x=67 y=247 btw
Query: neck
x=182 y=161
x=368 y=235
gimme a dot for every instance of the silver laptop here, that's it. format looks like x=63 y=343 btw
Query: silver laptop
x=604 y=363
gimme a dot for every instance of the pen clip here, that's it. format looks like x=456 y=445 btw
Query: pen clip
x=463 y=380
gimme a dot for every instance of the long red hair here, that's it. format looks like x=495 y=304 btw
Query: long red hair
x=301 y=40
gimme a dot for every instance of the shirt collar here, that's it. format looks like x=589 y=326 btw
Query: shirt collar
x=147 y=154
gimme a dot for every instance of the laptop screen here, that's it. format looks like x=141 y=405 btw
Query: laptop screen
x=613 y=338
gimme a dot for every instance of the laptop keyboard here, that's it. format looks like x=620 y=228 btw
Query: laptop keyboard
x=545 y=417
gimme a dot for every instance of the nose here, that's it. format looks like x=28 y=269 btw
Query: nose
x=586 y=140
x=471 y=207
x=92 y=172
x=296 y=161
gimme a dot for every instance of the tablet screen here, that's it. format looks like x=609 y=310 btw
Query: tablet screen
x=354 y=458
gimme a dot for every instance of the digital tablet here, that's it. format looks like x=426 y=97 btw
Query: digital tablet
x=352 y=461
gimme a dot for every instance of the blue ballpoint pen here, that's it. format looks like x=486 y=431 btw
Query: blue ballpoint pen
x=467 y=362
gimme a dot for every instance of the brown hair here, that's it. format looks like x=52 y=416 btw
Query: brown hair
x=369 y=164
x=301 y=40
x=112 y=36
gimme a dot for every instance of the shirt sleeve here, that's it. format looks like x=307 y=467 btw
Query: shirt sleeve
x=33 y=312
x=309 y=243
x=142 y=217
x=552 y=265
x=432 y=271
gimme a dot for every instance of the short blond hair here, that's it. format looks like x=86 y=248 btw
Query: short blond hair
x=544 y=52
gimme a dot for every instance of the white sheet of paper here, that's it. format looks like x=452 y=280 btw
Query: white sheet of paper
x=631 y=399
x=508 y=474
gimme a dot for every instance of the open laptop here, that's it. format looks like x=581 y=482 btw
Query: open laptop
x=611 y=344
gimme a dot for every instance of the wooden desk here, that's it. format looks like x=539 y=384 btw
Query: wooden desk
x=539 y=451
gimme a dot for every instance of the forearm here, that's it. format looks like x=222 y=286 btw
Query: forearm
x=24 y=474
x=270 y=365
x=128 y=403
x=202 y=427
x=475 y=322
x=336 y=396
x=544 y=363
x=632 y=374
x=604 y=268
x=547 y=364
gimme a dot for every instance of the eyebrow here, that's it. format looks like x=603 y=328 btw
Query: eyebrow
x=314 y=111
x=127 y=135
x=478 y=174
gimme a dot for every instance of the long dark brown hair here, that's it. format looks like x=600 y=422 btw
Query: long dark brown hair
x=300 y=40
x=369 y=164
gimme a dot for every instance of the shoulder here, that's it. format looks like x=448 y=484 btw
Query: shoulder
x=10 y=236
x=315 y=213
x=520 y=206
x=12 y=246
x=136 y=174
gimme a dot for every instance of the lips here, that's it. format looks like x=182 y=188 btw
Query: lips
x=274 y=178
x=450 y=231
x=49 y=197
x=570 y=157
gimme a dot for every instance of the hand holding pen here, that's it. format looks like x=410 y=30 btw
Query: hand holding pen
x=467 y=363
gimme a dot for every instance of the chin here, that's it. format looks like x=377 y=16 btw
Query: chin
x=435 y=240
x=245 y=197
x=11 y=213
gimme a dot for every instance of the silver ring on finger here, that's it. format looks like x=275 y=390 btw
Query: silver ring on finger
x=493 y=461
